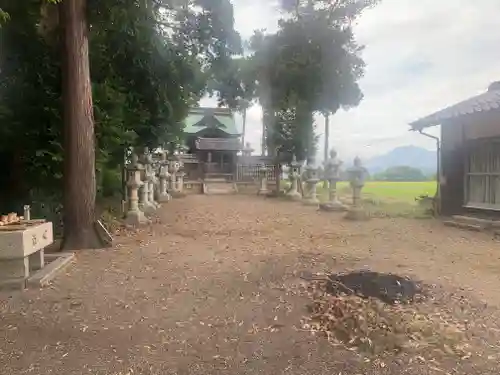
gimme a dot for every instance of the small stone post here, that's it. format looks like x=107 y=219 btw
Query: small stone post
x=164 y=195
x=180 y=176
x=294 y=173
x=180 y=182
x=263 y=170
x=173 y=168
x=332 y=175
x=357 y=175
x=134 y=215
x=311 y=183
x=27 y=212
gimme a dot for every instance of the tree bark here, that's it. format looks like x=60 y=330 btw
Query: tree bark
x=264 y=131
x=327 y=136
x=327 y=145
x=244 y=114
x=79 y=137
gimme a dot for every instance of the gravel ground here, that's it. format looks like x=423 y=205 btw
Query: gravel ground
x=213 y=289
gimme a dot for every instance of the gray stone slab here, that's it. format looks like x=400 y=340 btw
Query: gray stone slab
x=58 y=262
x=13 y=284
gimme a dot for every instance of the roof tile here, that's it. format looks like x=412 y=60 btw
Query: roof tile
x=481 y=103
x=219 y=144
x=201 y=118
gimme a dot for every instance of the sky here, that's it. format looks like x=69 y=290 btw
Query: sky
x=421 y=56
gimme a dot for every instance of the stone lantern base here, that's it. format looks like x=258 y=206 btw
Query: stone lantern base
x=357 y=214
x=311 y=201
x=334 y=206
x=293 y=195
x=149 y=208
x=136 y=218
x=164 y=198
x=263 y=191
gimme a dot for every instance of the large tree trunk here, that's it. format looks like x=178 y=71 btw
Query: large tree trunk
x=327 y=145
x=244 y=114
x=79 y=142
x=265 y=120
x=327 y=136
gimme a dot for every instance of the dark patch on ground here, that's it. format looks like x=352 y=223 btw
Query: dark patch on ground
x=389 y=288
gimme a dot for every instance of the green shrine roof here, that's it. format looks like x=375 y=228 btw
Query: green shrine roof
x=200 y=119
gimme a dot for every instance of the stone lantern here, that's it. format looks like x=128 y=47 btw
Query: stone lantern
x=173 y=168
x=134 y=215
x=151 y=178
x=263 y=170
x=180 y=179
x=247 y=151
x=144 y=204
x=164 y=196
x=332 y=175
x=312 y=179
x=357 y=176
x=294 y=175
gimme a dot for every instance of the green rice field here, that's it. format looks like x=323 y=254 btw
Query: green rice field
x=394 y=191
x=390 y=199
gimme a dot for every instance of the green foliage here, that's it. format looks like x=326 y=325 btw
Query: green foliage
x=110 y=182
x=294 y=134
x=236 y=86
x=150 y=61
x=312 y=64
x=3 y=17
x=401 y=173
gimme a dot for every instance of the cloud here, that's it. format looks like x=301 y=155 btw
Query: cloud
x=253 y=15
x=421 y=56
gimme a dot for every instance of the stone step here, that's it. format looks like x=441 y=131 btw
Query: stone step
x=223 y=176
x=11 y=284
x=215 y=181
x=462 y=225
x=219 y=192
x=219 y=187
x=484 y=223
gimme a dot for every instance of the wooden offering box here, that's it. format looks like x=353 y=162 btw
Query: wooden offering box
x=22 y=248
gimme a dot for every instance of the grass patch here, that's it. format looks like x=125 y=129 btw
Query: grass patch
x=389 y=191
x=386 y=198
x=399 y=191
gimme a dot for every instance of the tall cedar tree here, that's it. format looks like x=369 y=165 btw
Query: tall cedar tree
x=79 y=137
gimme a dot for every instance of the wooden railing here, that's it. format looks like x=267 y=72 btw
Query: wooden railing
x=188 y=158
x=218 y=168
x=252 y=172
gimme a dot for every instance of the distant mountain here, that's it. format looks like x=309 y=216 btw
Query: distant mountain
x=411 y=156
